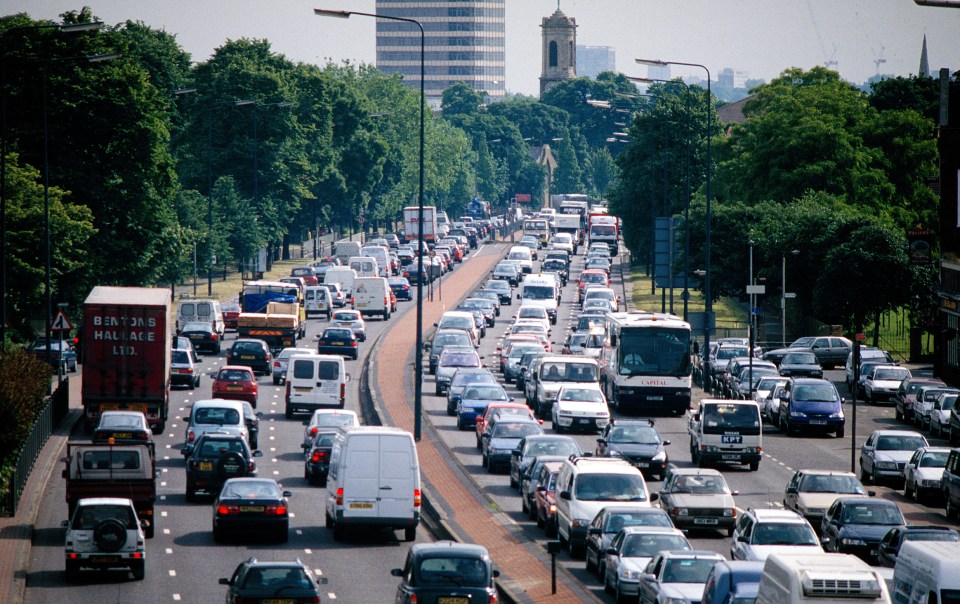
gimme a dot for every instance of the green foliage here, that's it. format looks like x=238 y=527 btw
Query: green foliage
x=600 y=172
x=24 y=383
x=568 y=177
x=460 y=100
x=919 y=93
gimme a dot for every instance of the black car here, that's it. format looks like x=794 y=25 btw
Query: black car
x=401 y=288
x=558 y=267
x=856 y=525
x=339 y=341
x=503 y=289
x=447 y=572
x=411 y=272
x=638 y=442
x=202 y=335
x=256 y=581
x=892 y=542
x=251 y=353
x=800 y=363
x=537 y=445
x=251 y=418
x=316 y=461
x=217 y=458
x=251 y=505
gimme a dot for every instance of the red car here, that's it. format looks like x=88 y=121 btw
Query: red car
x=545 y=497
x=591 y=276
x=236 y=382
x=231 y=315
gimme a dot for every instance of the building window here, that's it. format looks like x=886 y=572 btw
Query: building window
x=553 y=54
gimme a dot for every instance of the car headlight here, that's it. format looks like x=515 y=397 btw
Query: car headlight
x=712 y=449
x=729 y=512
x=578 y=522
x=886 y=465
x=837 y=415
x=614 y=453
x=797 y=413
x=928 y=483
x=847 y=541
x=661 y=456
x=681 y=512
x=628 y=574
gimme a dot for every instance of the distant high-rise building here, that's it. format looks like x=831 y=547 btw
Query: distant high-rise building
x=658 y=72
x=559 y=49
x=594 y=60
x=924 y=64
x=465 y=42
x=731 y=78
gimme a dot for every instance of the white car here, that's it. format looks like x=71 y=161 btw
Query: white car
x=580 y=407
x=562 y=241
x=676 y=576
x=333 y=418
x=761 y=532
x=940 y=414
x=765 y=393
x=350 y=319
x=104 y=533
x=527 y=311
x=882 y=382
x=634 y=547
x=923 y=473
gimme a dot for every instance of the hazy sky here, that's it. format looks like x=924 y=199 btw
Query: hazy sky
x=761 y=37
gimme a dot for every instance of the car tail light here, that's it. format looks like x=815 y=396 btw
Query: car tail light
x=385 y=301
x=190 y=436
x=493 y=599
x=353 y=343
x=318 y=456
x=340 y=496
x=416 y=498
x=288 y=392
x=276 y=510
x=413 y=599
x=251 y=466
x=276 y=363
x=141 y=436
x=214 y=336
x=343 y=393
x=225 y=510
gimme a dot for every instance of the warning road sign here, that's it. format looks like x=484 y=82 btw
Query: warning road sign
x=60 y=323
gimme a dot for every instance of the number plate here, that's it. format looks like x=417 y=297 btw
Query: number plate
x=452 y=600
x=818 y=422
x=361 y=505
x=234 y=388
x=279 y=601
x=104 y=559
x=730 y=456
x=642 y=464
x=206 y=466
x=705 y=521
x=251 y=508
x=299 y=389
x=336 y=343
x=122 y=435
x=247 y=357
x=654 y=398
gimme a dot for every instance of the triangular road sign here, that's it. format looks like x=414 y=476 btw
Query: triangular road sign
x=60 y=322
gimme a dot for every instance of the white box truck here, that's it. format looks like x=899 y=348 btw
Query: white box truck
x=411 y=224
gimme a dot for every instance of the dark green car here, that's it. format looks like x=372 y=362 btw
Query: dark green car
x=446 y=572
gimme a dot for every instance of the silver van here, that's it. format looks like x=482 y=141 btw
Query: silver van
x=203 y=310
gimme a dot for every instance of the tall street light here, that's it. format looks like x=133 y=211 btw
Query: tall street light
x=783 y=298
x=418 y=352
x=63 y=28
x=99 y=58
x=708 y=302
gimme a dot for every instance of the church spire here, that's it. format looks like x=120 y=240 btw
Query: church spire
x=924 y=65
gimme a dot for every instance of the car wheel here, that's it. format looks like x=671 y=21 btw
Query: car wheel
x=839 y=433
x=283 y=535
x=606 y=584
x=254 y=442
x=949 y=509
x=276 y=381
x=524 y=508
x=410 y=533
x=190 y=494
x=438 y=391
x=754 y=466
x=72 y=570
x=138 y=571
x=618 y=595
x=906 y=490
x=589 y=564
x=864 y=477
x=898 y=414
x=541 y=523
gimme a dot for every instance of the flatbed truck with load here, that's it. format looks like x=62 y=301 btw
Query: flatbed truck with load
x=280 y=326
x=126 y=353
x=113 y=470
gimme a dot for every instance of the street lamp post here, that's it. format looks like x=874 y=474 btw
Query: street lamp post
x=63 y=28
x=708 y=302
x=418 y=353
x=783 y=298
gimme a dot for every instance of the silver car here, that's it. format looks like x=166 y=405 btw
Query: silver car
x=351 y=319
x=281 y=361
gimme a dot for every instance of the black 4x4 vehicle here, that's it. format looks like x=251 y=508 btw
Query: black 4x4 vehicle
x=216 y=458
x=251 y=353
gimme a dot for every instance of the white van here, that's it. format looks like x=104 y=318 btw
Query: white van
x=542 y=291
x=374 y=481
x=586 y=485
x=345 y=276
x=820 y=579
x=205 y=310
x=315 y=381
x=927 y=571
x=213 y=415
x=345 y=249
x=728 y=431
x=364 y=266
x=381 y=254
x=371 y=296
x=317 y=301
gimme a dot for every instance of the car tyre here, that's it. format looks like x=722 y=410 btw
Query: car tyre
x=839 y=433
x=906 y=491
x=72 y=570
x=864 y=476
x=276 y=381
x=410 y=534
x=138 y=571
x=590 y=566
x=754 y=466
x=949 y=509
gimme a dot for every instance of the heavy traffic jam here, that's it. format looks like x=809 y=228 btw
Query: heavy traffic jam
x=620 y=439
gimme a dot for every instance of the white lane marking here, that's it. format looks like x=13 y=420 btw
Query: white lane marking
x=163 y=497
x=169 y=550
x=166 y=457
x=292 y=515
x=176 y=597
x=273 y=449
x=169 y=447
x=163 y=514
x=166 y=531
x=172 y=572
x=163 y=484
x=165 y=470
x=272 y=427
x=318 y=572
x=274 y=460
x=271 y=438
x=332 y=595
x=307 y=551
x=276 y=472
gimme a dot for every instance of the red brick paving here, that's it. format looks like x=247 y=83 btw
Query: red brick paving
x=394 y=381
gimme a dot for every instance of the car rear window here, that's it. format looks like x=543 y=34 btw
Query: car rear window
x=235 y=375
x=222 y=416
x=328 y=370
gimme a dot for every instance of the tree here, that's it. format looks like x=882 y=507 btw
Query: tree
x=600 y=172
x=919 y=93
x=569 y=177
x=460 y=100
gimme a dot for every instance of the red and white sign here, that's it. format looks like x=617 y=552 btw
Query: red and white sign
x=60 y=322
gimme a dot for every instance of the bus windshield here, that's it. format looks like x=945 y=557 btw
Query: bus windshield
x=654 y=351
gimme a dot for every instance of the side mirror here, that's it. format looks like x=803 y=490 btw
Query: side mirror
x=792 y=491
x=611 y=551
x=734 y=493
x=515 y=452
x=306 y=422
x=648 y=577
x=666 y=443
x=347 y=377
x=186 y=419
x=654 y=497
x=742 y=539
x=64 y=524
x=287 y=494
x=396 y=572
x=259 y=413
x=565 y=495
x=496 y=573
x=602 y=441
x=224 y=581
x=258 y=453
x=594 y=531
x=871 y=493
x=304 y=447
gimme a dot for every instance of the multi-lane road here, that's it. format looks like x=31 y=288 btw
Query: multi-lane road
x=184 y=563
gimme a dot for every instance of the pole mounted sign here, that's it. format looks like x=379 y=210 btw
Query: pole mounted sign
x=60 y=322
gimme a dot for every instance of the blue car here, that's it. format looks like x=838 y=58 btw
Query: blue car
x=731 y=582
x=401 y=288
x=474 y=400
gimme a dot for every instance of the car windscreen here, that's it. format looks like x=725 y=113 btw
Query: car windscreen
x=620 y=520
x=515 y=430
x=234 y=375
x=485 y=393
x=723 y=418
x=567 y=371
x=891 y=374
x=799 y=358
x=610 y=487
x=582 y=395
x=337 y=334
x=180 y=357
x=221 y=416
x=816 y=392
x=647 y=546
x=641 y=435
x=900 y=443
x=818 y=483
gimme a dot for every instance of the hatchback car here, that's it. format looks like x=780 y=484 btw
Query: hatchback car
x=352 y=320
x=251 y=505
x=611 y=520
x=881 y=384
x=761 y=532
x=810 y=493
x=251 y=353
x=202 y=335
x=629 y=553
x=261 y=581
x=339 y=341
x=183 y=369
x=698 y=498
x=445 y=571
x=532 y=447
x=580 y=407
x=122 y=427
x=280 y=361
x=401 y=288
x=328 y=418
x=636 y=441
x=316 y=458
x=467 y=376
x=474 y=400
x=886 y=452
x=857 y=525
x=231 y=315
x=236 y=382
x=215 y=459
x=452 y=359
x=443 y=338
x=497 y=444
x=503 y=289
x=800 y=364
x=923 y=473
x=677 y=576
